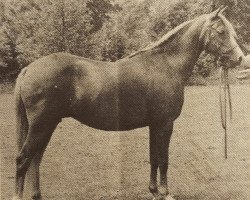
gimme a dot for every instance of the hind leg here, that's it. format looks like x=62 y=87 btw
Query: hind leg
x=39 y=134
x=33 y=175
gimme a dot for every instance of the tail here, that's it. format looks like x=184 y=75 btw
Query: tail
x=22 y=125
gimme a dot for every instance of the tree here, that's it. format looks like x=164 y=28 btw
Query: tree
x=17 y=27
x=100 y=29
x=33 y=28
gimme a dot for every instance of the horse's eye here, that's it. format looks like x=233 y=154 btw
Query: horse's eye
x=221 y=32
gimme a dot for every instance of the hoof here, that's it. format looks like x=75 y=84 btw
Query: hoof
x=16 y=198
x=168 y=197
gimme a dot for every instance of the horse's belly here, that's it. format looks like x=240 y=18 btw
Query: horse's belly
x=116 y=102
x=114 y=125
x=114 y=115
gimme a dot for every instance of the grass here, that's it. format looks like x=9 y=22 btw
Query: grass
x=82 y=163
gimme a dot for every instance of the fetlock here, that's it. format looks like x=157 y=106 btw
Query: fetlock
x=153 y=189
x=37 y=196
x=163 y=191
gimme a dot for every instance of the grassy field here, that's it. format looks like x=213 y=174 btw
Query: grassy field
x=82 y=163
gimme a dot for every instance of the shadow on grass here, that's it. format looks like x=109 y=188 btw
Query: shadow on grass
x=186 y=197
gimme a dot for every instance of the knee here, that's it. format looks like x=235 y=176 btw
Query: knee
x=19 y=159
x=22 y=164
x=159 y=162
x=154 y=160
x=163 y=165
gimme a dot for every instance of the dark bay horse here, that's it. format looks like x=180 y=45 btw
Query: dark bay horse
x=143 y=89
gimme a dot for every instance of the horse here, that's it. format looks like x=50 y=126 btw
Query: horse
x=245 y=73
x=144 y=89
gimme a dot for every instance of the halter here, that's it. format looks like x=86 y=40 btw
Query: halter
x=227 y=52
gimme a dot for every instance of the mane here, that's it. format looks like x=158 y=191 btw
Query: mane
x=164 y=39
x=177 y=29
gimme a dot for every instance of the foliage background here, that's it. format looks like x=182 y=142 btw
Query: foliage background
x=103 y=29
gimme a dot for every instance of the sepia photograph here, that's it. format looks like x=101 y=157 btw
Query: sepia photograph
x=125 y=99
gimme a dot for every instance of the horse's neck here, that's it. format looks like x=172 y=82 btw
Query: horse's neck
x=181 y=52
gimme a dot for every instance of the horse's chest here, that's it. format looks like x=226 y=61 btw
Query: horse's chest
x=166 y=102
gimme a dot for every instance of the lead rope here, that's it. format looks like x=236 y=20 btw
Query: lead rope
x=226 y=95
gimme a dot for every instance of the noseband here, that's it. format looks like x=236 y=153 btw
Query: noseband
x=227 y=52
x=223 y=54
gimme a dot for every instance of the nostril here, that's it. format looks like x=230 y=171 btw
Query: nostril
x=240 y=59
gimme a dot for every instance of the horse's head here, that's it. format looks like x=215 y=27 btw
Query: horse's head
x=220 y=39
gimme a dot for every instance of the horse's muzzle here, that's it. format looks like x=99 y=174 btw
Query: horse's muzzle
x=226 y=62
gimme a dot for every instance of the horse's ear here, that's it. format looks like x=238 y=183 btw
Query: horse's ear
x=218 y=11
x=222 y=10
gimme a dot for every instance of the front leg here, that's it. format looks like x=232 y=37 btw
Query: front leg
x=160 y=135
